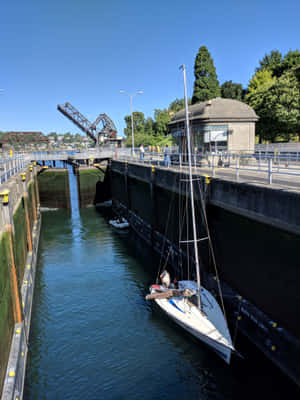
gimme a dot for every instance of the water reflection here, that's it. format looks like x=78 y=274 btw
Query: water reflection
x=94 y=336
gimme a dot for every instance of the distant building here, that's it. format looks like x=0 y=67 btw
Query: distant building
x=217 y=124
x=21 y=140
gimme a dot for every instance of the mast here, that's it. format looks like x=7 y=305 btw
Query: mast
x=191 y=187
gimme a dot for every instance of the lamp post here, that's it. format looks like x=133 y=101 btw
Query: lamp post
x=131 y=97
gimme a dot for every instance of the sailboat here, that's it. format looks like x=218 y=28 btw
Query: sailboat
x=187 y=302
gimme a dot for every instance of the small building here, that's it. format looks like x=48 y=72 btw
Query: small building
x=217 y=124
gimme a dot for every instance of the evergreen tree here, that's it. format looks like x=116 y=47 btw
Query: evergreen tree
x=206 y=85
x=230 y=90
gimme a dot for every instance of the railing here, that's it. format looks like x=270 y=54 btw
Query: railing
x=10 y=166
x=266 y=165
x=278 y=147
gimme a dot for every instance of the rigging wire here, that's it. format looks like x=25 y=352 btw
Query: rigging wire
x=161 y=264
x=211 y=250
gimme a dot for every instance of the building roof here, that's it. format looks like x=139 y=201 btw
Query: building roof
x=218 y=110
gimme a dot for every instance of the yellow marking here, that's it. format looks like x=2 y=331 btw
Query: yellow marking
x=4 y=195
x=207 y=179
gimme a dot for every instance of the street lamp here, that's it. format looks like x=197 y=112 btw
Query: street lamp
x=131 y=96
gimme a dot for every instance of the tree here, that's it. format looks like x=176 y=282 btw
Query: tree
x=149 y=126
x=284 y=99
x=162 y=118
x=271 y=62
x=258 y=99
x=177 y=105
x=277 y=102
x=291 y=60
x=206 y=85
x=230 y=90
x=138 y=127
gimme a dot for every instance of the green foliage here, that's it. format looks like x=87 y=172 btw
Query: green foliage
x=148 y=132
x=230 y=90
x=262 y=80
x=277 y=102
x=257 y=98
x=177 y=105
x=162 y=118
x=285 y=103
x=206 y=85
x=291 y=60
x=271 y=62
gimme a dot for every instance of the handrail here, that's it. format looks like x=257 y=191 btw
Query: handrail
x=269 y=164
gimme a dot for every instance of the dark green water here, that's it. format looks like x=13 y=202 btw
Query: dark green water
x=94 y=336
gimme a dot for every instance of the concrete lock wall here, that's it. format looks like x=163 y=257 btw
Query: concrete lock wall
x=54 y=188
x=19 y=234
x=93 y=185
x=256 y=238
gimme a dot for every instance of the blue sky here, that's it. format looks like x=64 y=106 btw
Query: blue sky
x=84 y=52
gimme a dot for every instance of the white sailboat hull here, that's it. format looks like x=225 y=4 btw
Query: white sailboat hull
x=208 y=325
